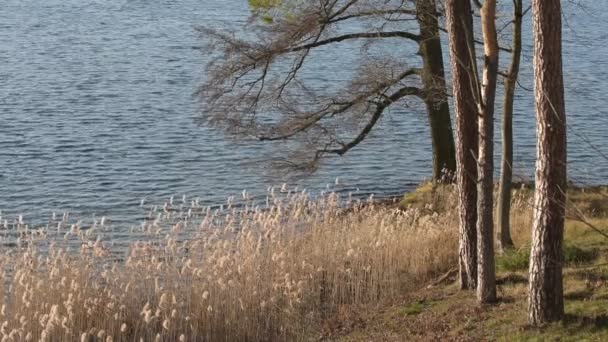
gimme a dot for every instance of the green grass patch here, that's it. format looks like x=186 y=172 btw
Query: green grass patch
x=413 y=309
x=421 y=196
x=264 y=4
x=430 y=198
x=518 y=259
x=513 y=260
x=576 y=255
x=591 y=201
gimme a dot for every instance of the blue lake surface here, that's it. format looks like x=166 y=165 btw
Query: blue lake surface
x=97 y=111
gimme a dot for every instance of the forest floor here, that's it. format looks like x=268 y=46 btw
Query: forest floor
x=439 y=311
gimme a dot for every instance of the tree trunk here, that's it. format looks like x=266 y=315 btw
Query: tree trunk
x=506 y=171
x=436 y=100
x=486 y=280
x=459 y=24
x=546 y=302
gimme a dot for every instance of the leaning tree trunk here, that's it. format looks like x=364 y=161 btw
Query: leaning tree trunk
x=546 y=302
x=486 y=280
x=435 y=98
x=506 y=171
x=459 y=24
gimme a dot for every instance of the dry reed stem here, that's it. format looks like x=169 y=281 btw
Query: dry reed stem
x=241 y=274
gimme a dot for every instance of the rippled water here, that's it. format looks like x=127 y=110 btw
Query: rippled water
x=96 y=112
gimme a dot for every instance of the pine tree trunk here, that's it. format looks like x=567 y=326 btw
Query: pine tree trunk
x=459 y=24
x=506 y=171
x=486 y=280
x=436 y=100
x=546 y=301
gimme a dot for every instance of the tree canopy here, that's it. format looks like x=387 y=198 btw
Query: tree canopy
x=255 y=87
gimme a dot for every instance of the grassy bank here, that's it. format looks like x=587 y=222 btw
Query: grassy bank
x=300 y=269
x=440 y=311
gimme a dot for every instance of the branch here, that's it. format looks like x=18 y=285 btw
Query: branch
x=361 y=35
x=373 y=13
x=319 y=115
x=374 y=119
x=477 y=41
x=343 y=9
x=517 y=17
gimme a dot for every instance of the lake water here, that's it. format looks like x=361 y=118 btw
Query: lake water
x=97 y=112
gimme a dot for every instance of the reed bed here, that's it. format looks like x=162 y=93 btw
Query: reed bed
x=273 y=272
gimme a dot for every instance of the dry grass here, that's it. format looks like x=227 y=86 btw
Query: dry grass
x=242 y=274
x=294 y=269
x=445 y=313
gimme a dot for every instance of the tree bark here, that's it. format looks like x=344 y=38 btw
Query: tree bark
x=506 y=171
x=486 y=280
x=459 y=24
x=436 y=100
x=545 y=301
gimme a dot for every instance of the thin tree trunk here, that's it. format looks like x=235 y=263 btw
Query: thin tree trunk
x=486 y=279
x=545 y=301
x=506 y=171
x=459 y=24
x=436 y=100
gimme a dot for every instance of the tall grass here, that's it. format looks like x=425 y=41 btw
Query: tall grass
x=242 y=274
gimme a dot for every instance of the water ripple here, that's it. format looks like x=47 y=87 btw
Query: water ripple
x=96 y=112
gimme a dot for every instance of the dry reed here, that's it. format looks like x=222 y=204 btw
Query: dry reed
x=251 y=273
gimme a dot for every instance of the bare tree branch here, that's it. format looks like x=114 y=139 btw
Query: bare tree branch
x=361 y=35
x=477 y=41
x=256 y=88
x=379 y=13
x=374 y=119
x=336 y=108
